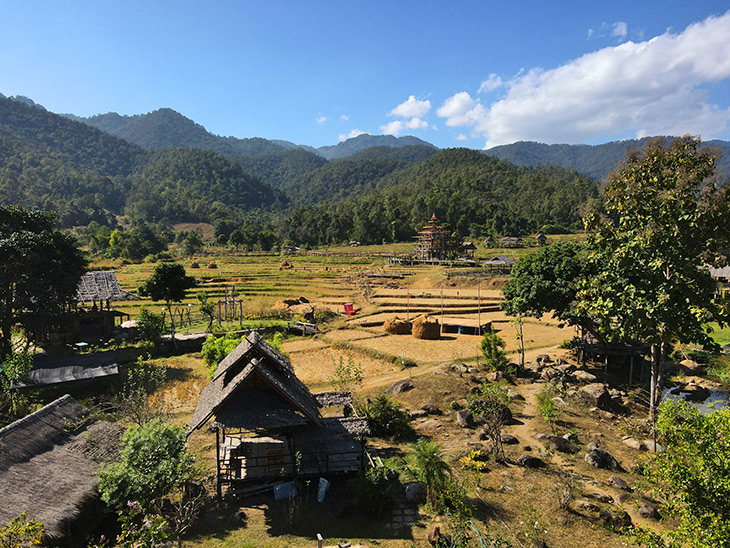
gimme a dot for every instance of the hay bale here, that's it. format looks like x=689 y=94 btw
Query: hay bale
x=397 y=326
x=195 y=265
x=212 y=265
x=285 y=266
x=426 y=328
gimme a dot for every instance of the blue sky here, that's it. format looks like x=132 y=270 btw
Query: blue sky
x=469 y=73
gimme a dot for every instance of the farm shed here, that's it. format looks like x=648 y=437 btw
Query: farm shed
x=500 y=263
x=95 y=318
x=511 y=241
x=86 y=367
x=265 y=417
x=48 y=466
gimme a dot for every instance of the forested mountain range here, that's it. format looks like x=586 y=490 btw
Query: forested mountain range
x=596 y=161
x=279 y=191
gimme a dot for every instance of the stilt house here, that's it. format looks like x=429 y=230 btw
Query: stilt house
x=268 y=424
x=436 y=242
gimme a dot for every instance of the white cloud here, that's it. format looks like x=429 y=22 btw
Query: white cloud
x=321 y=119
x=344 y=117
x=619 y=29
x=646 y=88
x=353 y=133
x=398 y=126
x=412 y=108
x=461 y=137
x=491 y=83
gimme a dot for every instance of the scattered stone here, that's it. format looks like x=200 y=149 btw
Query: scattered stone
x=495 y=376
x=633 y=443
x=560 y=401
x=560 y=444
x=619 y=483
x=549 y=373
x=400 y=386
x=585 y=505
x=464 y=418
x=506 y=489
x=527 y=448
x=696 y=393
x=571 y=437
x=515 y=396
x=418 y=414
x=596 y=395
x=508 y=439
x=431 y=409
x=529 y=461
x=601 y=497
x=592 y=446
x=584 y=376
x=623 y=497
x=565 y=367
x=653 y=446
x=598 y=458
x=543 y=358
x=560 y=361
x=691 y=367
x=646 y=510
x=415 y=492
x=616 y=518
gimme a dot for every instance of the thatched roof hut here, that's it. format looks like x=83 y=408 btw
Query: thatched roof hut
x=264 y=416
x=48 y=466
x=101 y=286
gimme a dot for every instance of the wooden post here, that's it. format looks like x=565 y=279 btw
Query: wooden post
x=442 y=307
x=320 y=541
x=605 y=367
x=218 y=462
x=479 y=305
x=631 y=370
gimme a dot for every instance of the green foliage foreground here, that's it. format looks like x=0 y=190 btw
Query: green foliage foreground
x=693 y=473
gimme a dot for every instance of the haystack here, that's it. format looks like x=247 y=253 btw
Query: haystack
x=426 y=328
x=397 y=326
x=285 y=266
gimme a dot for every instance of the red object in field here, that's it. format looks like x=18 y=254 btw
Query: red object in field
x=349 y=309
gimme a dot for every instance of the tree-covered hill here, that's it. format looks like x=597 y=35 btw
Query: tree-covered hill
x=364 y=141
x=596 y=161
x=474 y=193
x=188 y=184
x=166 y=128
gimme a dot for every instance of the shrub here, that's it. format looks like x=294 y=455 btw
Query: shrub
x=495 y=357
x=475 y=460
x=216 y=348
x=386 y=418
x=491 y=403
x=373 y=491
x=347 y=374
x=549 y=410
x=151 y=324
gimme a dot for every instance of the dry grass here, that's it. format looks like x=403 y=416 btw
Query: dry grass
x=315 y=367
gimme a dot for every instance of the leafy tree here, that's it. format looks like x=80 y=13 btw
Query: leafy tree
x=154 y=461
x=142 y=379
x=151 y=324
x=492 y=347
x=15 y=369
x=667 y=221
x=427 y=458
x=385 y=417
x=39 y=271
x=192 y=243
x=21 y=532
x=167 y=283
x=693 y=473
x=216 y=348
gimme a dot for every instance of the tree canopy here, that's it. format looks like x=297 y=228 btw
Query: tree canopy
x=39 y=271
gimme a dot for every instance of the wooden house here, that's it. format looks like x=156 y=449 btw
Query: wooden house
x=511 y=241
x=268 y=424
x=95 y=317
x=500 y=264
x=541 y=239
x=48 y=467
x=468 y=249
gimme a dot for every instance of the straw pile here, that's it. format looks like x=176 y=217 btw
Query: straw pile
x=285 y=266
x=426 y=328
x=397 y=326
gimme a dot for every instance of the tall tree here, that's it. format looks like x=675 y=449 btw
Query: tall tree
x=667 y=220
x=39 y=271
x=167 y=283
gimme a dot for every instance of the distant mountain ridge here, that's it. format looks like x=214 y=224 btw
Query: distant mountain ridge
x=596 y=161
x=167 y=128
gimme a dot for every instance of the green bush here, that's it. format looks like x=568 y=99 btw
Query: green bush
x=151 y=324
x=549 y=410
x=373 y=491
x=216 y=348
x=385 y=418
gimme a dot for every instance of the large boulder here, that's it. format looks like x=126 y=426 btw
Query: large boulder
x=599 y=458
x=464 y=418
x=415 y=492
x=400 y=386
x=560 y=444
x=596 y=394
x=646 y=510
x=531 y=462
x=584 y=376
x=695 y=392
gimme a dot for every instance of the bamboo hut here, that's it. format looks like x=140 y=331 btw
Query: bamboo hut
x=265 y=417
x=48 y=467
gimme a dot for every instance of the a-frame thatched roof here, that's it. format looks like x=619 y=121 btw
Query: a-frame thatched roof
x=101 y=286
x=49 y=461
x=255 y=387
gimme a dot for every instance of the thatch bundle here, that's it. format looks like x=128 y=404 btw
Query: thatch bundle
x=285 y=266
x=426 y=328
x=397 y=326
